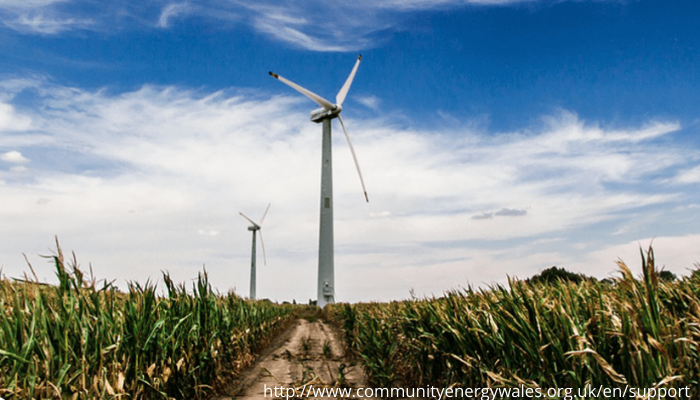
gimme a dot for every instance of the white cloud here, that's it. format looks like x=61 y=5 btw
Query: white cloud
x=11 y=121
x=368 y=101
x=310 y=25
x=382 y=214
x=172 y=10
x=47 y=24
x=18 y=168
x=14 y=156
x=313 y=25
x=28 y=4
x=337 y=26
x=290 y=30
x=154 y=179
x=688 y=176
x=441 y=4
x=41 y=16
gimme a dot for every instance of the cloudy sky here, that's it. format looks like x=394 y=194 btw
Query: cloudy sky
x=496 y=138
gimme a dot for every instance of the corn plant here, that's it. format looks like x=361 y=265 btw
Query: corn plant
x=78 y=340
x=642 y=332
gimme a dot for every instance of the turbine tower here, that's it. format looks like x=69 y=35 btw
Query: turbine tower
x=255 y=228
x=327 y=112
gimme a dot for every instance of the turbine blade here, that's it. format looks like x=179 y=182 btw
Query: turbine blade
x=354 y=157
x=250 y=220
x=313 y=96
x=262 y=243
x=340 y=98
x=263 y=217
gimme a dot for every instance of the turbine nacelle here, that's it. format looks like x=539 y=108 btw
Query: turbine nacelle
x=320 y=114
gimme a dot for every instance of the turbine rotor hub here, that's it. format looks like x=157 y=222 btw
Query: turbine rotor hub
x=321 y=114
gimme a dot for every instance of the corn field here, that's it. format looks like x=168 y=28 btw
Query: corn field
x=76 y=340
x=639 y=332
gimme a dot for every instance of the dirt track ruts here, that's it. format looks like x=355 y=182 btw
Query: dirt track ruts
x=309 y=353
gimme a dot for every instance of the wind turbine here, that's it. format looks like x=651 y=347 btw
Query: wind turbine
x=327 y=112
x=255 y=228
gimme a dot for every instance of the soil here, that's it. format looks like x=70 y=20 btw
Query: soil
x=308 y=355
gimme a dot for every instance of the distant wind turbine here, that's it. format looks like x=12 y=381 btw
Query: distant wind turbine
x=327 y=112
x=254 y=228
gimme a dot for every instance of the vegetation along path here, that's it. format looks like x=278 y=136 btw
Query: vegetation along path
x=307 y=361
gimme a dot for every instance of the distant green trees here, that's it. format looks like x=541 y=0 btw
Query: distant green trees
x=555 y=274
x=667 y=276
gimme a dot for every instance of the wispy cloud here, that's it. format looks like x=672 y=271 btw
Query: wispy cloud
x=294 y=36
x=42 y=16
x=440 y=4
x=368 y=101
x=28 y=4
x=171 y=11
x=312 y=24
x=164 y=171
x=46 y=24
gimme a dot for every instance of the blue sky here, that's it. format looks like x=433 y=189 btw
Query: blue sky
x=496 y=138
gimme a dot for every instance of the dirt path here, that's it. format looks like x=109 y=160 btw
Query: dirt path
x=308 y=357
